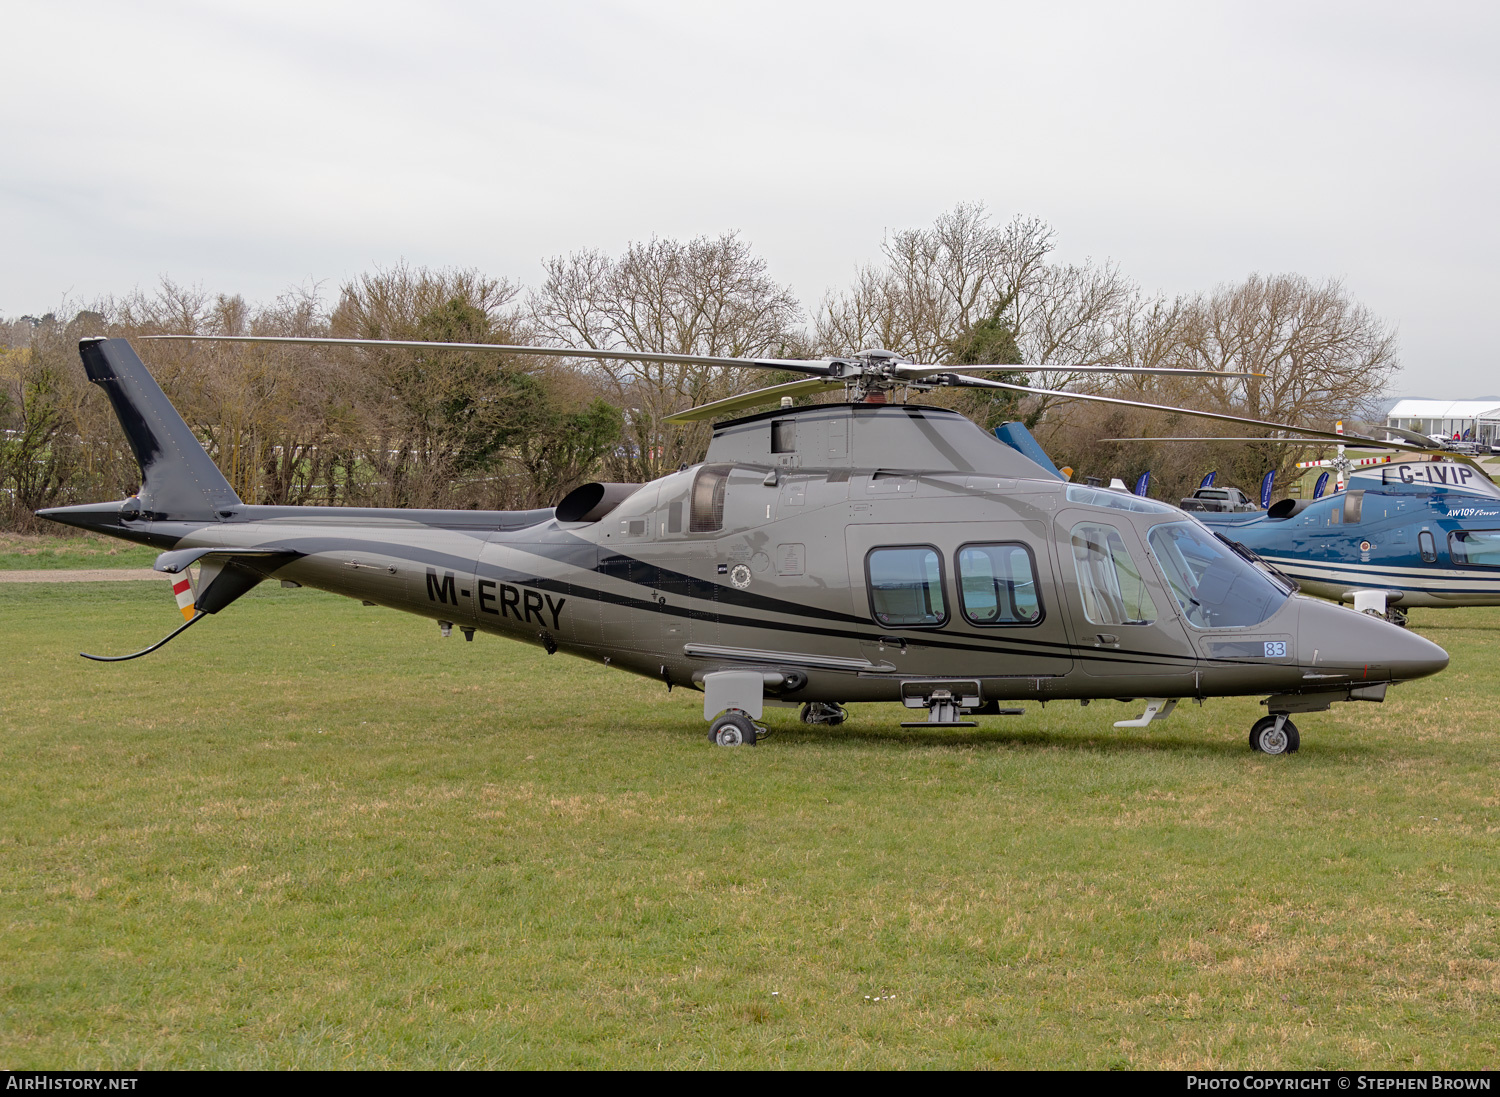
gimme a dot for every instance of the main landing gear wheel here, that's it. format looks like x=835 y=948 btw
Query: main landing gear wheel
x=733 y=729
x=825 y=715
x=1267 y=738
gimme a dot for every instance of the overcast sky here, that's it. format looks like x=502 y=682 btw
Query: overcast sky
x=253 y=146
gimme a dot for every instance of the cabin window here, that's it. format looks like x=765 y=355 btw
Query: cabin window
x=707 y=511
x=1474 y=547
x=906 y=586
x=1214 y=585
x=1103 y=497
x=997 y=585
x=1109 y=582
x=784 y=436
x=1427 y=547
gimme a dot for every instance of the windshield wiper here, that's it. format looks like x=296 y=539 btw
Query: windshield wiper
x=1255 y=560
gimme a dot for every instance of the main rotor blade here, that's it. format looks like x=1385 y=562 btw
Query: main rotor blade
x=1410 y=436
x=914 y=371
x=1205 y=438
x=962 y=381
x=1447 y=455
x=752 y=399
x=792 y=365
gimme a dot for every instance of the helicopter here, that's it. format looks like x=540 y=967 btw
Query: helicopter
x=861 y=551
x=1393 y=535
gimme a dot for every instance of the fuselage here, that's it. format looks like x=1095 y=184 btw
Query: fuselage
x=823 y=547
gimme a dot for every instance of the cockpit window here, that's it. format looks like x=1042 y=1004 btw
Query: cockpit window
x=1215 y=587
x=1108 y=580
x=1117 y=500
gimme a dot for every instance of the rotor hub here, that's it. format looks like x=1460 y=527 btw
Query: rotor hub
x=871 y=373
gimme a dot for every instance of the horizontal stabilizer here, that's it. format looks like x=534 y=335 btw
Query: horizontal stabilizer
x=179 y=560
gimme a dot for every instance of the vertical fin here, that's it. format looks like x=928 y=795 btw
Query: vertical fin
x=1018 y=438
x=178 y=480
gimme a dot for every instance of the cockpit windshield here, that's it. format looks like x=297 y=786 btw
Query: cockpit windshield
x=1215 y=587
x=1426 y=476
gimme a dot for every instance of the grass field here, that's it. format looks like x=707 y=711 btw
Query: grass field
x=314 y=834
x=84 y=550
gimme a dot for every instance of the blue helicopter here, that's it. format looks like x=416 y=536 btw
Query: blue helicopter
x=1418 y=529
x=1401 y=534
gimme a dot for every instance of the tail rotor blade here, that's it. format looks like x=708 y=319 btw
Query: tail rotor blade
x=182 y=587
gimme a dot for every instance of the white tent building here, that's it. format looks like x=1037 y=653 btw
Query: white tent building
x=1474 y=420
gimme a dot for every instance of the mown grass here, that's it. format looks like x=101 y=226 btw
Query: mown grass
x=20 y=551
x=313 y=834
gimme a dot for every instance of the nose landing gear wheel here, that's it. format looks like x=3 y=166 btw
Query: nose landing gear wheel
x=1269 y=738
x=733 y=729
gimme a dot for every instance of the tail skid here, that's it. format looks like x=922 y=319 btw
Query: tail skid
x=163 y=642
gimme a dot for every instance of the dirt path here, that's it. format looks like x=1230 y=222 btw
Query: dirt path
x=80 y=575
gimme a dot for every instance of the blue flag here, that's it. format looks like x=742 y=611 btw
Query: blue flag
x=1321 y=484
x=1208 y=481
x=1265 y=490
x=1143 y=483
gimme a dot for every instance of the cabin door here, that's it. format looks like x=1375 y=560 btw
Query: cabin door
x=1125 y=623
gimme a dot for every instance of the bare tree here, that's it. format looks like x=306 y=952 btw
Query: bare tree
x=427 y=418
x=705 y=296
x=1308 y=354
x=935 y=284
x=268 y=415
x=461 y=427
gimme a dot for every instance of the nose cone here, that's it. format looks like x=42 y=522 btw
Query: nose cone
x=1367 y=647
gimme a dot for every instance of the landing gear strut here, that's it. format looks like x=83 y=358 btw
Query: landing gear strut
x=1377 y=603
x=1275 y=735
x=819 y=713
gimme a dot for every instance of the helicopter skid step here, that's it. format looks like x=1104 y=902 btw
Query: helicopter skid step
x=944 y=706
x=1157 y=708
